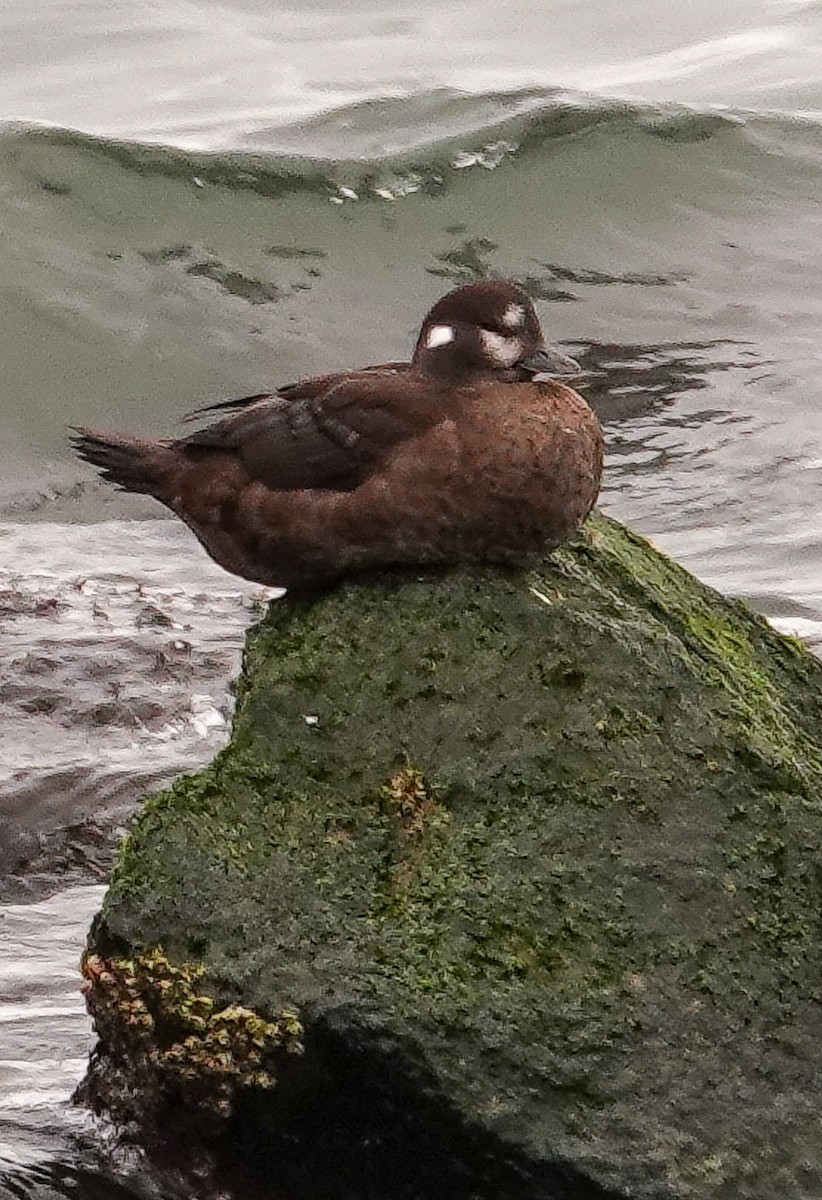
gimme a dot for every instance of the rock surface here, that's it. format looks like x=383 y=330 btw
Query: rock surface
x=529 y=862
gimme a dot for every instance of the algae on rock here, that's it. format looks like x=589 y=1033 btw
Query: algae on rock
x=535 y=858
x=163 y=1034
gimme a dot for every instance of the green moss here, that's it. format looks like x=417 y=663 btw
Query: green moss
x=727 y=646
x=551 y=835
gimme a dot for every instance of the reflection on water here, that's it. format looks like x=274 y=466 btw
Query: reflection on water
x=623 y=382
x=56 y=1180
x=471 y=260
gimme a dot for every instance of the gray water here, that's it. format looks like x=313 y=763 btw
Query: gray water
x=204 y=199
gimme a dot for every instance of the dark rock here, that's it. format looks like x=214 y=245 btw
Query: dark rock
x=534 y=858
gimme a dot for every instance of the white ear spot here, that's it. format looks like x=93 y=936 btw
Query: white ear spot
x=503 y=350
x=439 y=335
x=514 y=316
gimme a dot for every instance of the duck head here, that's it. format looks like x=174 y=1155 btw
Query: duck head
x=487 y=330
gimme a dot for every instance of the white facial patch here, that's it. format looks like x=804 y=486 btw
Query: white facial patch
x=503 y=350
x=514 y=316
x=439 y=335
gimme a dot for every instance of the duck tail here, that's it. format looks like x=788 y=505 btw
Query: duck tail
x=129 y=463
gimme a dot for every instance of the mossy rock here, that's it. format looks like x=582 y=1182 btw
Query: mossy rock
x=535 y=858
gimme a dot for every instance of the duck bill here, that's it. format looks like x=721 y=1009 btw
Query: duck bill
x=548 y=361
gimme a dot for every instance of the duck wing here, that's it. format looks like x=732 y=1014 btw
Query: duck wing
x=304 y=389
x=332 y=441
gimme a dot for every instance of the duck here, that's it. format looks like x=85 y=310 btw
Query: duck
x=474 y=451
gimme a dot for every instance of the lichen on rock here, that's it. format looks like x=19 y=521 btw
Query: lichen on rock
x=173 y=1042
x=540 y=876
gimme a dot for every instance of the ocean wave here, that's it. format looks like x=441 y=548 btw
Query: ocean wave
x=390 y=148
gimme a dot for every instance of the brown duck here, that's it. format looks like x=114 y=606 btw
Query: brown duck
x=458 y=456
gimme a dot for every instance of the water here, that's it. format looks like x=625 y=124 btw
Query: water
x=198 y=200
x=38 y=990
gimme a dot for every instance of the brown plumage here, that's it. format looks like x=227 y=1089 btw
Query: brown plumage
x=458 y=456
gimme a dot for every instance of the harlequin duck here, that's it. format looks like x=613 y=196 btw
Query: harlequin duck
x=458 y=456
